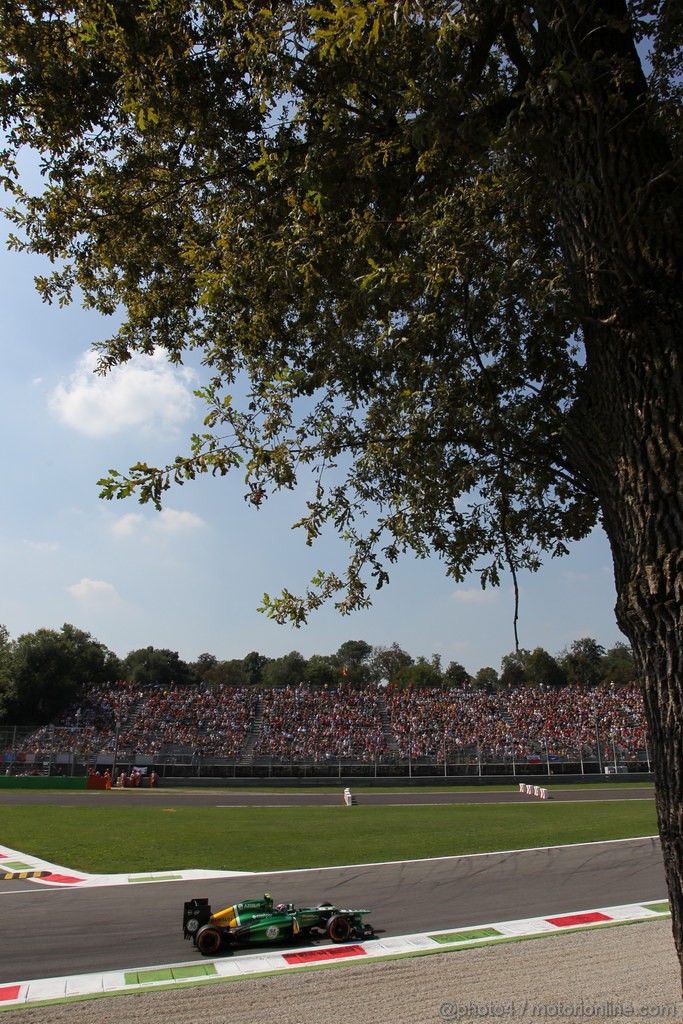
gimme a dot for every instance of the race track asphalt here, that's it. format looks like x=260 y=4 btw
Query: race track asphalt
x=227 y=797
x=50 y=932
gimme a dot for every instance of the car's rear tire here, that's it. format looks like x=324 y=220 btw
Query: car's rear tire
x=339 y=928
x=209 y=940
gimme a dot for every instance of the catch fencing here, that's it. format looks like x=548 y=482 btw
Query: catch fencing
x=71 y=752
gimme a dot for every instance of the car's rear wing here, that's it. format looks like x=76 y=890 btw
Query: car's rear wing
x=195 y=914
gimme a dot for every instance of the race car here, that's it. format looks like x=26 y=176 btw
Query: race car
x=261 y=922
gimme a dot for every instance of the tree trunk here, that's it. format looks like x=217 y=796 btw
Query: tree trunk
x=643 y=518
x=620 y=221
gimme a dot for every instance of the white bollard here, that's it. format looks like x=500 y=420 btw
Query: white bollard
x=538 y=791
x=348 y=799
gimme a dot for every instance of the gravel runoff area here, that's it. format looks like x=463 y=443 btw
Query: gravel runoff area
x=610 y=974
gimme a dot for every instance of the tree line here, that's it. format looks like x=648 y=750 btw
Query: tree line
x=43 y=672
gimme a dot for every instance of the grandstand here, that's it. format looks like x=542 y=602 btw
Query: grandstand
x=226 y=731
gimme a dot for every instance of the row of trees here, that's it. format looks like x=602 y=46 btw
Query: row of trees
x=41 y=673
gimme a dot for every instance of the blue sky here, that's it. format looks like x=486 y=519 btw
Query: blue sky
x=191 y=578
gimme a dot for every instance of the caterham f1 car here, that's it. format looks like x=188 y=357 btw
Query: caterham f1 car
x=261 y=922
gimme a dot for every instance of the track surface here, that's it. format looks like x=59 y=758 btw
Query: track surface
x=48 y=932
x=250 y=798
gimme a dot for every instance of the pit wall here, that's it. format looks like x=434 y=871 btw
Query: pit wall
x=42 y=782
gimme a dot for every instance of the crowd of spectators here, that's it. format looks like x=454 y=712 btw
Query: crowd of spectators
x=427 y=722
x=515 y=724
x=208 y=722
x=575 y=719
x=364 y=725
x=89 y=724
x=301 y=723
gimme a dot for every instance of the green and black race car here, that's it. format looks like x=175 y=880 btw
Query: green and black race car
x=261 y=922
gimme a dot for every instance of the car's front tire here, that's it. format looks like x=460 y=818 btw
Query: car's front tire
x=209 y=940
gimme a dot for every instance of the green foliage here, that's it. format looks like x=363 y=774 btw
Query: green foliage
x=213 y=672
x=51 y=669
x=542 y=669
x=351 y=209
x=386 y=662
x=353 y=663
x=230 y=673
x=205 y=663
x=42 y=672
x=7 y=691
x=116 y=839
x=486 y=678
x=354 y=653
x=618 y=666
x=419 y=674
x=154 y=666
x=583 y=662
x=512 y=670
x=289 y=670
x=457 y=675
x=253 y=665
x=322 y=670
x=531 y=668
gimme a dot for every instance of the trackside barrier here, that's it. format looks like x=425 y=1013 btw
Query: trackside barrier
x=534 y=791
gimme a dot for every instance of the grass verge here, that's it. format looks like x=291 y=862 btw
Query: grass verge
x=111 y=839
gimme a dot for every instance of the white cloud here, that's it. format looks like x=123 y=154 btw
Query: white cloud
x=41 y=545
x=475 y=595
x=145 y=393
x=94 y=593
x=166 y=522
x=171 y=521
x=128 y=524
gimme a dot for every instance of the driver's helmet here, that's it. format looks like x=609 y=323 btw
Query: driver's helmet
x=281 y=908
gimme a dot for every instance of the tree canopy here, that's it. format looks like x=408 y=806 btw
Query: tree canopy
x=349 y=206
x=437 y=247
x=290 y=670
x=156 y=666
x=386 y=662
x=49 y=669
x=6 y=680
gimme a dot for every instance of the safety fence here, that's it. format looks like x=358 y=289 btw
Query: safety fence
x=67 y=753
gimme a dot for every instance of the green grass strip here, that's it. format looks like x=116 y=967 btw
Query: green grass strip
x=477 y=933
x=155 y=878
x=658 y=908
x=169 y=974
x=16 y=865
x=147 y=977
x=141 y=840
